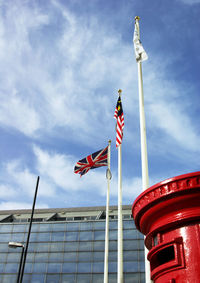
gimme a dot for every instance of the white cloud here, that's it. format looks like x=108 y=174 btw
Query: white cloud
x=175 y=123
x=17 y=109
x=18 y=187
x=132 y=187
x=24 y=181
x=168 y=109
x=42 y=101
x=9 y=205
x=46 y=89
x=19 y=114
x=7 y=192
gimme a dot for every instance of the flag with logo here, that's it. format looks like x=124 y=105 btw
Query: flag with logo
x=140 y=53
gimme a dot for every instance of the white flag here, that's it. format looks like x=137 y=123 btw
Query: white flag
x=140 y=53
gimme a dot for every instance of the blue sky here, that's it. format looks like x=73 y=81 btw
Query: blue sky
x=61 y=65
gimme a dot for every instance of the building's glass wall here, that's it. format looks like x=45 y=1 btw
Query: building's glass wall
x=70 y=252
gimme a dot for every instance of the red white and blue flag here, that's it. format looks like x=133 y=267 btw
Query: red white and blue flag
x=95 y=160
x=119 y=116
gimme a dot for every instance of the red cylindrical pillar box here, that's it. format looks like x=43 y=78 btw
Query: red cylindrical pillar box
x=168 y=214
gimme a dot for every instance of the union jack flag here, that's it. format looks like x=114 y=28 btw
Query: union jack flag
x=119 y=116
x=95 y=160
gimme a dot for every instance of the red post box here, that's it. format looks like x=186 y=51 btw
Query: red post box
x=168 y=214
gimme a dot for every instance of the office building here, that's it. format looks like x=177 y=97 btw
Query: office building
x=67 y=245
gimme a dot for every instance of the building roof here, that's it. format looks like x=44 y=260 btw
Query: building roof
x=63 y=214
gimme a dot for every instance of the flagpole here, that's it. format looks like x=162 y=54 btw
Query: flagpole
x=120 y=226
x=145 y=174
x=108 y=176
x=29 y=232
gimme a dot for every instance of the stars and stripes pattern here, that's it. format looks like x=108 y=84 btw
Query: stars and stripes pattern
x=119 y=116
x=95 y=160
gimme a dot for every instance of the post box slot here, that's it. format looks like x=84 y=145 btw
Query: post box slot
x=163 y=256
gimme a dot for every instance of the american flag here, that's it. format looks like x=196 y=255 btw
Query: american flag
x=95 y=160
x=119 y=116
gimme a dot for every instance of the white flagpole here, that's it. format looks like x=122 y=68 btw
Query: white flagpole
x=108 y=176
x=145 y=175
x=120 y=223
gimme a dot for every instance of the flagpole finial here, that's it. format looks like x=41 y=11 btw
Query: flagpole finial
x=109 y=142
x=137 y=18
x=119 y=91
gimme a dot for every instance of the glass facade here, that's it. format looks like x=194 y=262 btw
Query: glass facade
x=70 y=251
